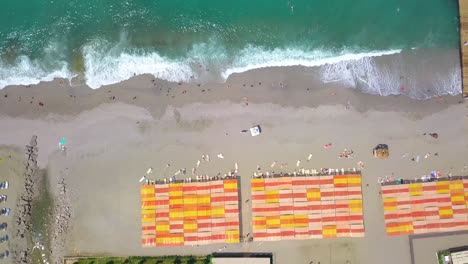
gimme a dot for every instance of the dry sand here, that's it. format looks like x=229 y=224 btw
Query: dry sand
x=112 y=142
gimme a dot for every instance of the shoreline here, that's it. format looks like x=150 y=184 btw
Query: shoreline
x=418 y=74
x=283 y=86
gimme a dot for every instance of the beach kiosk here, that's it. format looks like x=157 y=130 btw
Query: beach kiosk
x=255 y=130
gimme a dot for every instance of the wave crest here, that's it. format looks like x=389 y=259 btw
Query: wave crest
x=107 y=65
x=26 y=71
x=255 y=57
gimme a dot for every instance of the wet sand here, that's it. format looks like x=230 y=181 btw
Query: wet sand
x=115 y=133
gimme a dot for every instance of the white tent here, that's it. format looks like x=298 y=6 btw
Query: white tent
x=255 y=130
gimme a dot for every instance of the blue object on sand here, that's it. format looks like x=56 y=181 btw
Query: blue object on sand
x=62 y=141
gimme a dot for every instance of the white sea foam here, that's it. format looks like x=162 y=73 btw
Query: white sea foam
x=393 y=78
x=254 y=57
x=364 y=74
x=104 y=66
x=450 y=83
x=107 y=63
x=25 y=72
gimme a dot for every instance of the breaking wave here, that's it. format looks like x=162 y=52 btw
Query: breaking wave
x=108 y=65
x=253 y=58
x=25 y=71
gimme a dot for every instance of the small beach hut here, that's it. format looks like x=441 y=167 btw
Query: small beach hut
x=381 y=151
x=255 y=130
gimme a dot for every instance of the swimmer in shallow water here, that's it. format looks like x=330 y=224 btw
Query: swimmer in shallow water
x=291 y=6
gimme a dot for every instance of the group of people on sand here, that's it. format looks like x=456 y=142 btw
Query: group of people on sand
x=346 y=153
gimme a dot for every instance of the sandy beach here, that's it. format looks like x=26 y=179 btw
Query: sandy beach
x=116 y=132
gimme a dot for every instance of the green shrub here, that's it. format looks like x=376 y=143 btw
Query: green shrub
x=177 y=260
x=147 y=260
x=207 y=260
x=192 y=260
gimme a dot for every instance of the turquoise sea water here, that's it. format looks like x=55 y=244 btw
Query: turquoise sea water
x=110 y=41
